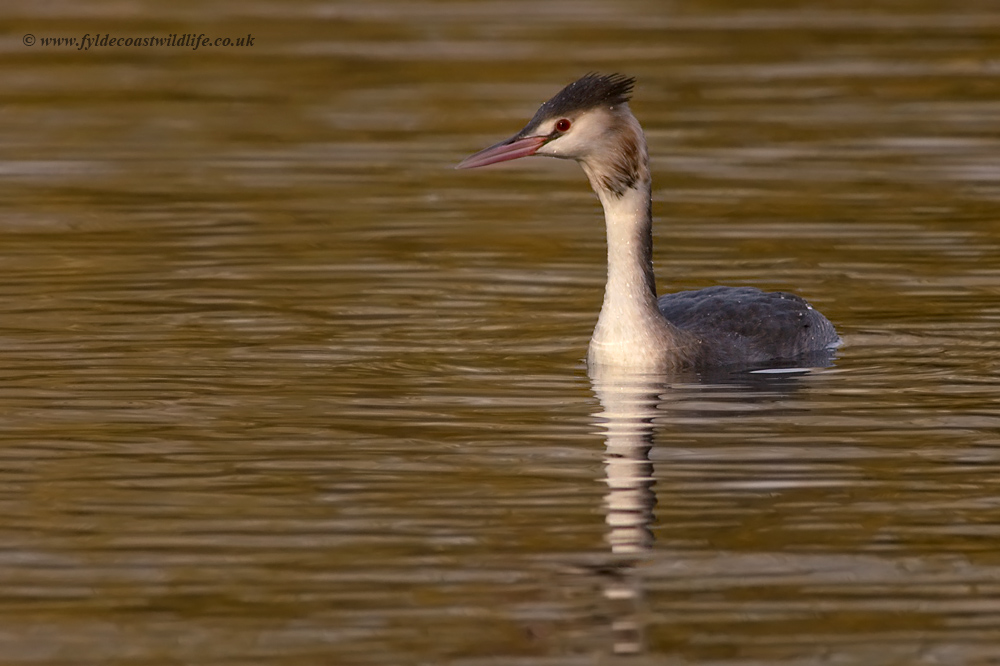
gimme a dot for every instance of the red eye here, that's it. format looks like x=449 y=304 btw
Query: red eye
x=563 y=125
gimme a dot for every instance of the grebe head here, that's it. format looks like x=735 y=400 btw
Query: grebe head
x=588 y=121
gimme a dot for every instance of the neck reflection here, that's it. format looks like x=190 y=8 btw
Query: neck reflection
x=629 y=406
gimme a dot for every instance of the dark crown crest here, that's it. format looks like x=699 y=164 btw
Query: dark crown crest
x=588 y=92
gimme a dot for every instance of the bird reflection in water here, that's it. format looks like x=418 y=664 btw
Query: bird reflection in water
x=632 y=410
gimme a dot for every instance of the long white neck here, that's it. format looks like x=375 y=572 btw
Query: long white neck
x=630 y=330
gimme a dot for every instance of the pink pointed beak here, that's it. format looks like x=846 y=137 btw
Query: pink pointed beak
x=511 y=149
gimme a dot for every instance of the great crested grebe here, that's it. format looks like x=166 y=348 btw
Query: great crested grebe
x=590 y=121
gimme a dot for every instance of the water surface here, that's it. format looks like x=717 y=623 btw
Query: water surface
x=281 y=387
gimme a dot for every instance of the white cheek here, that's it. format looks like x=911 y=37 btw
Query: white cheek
x=564 y=146
x=552 y=149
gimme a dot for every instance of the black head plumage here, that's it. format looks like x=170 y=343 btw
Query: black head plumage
x=588 y=92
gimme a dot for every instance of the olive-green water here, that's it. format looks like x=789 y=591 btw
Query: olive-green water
x=279 y=386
